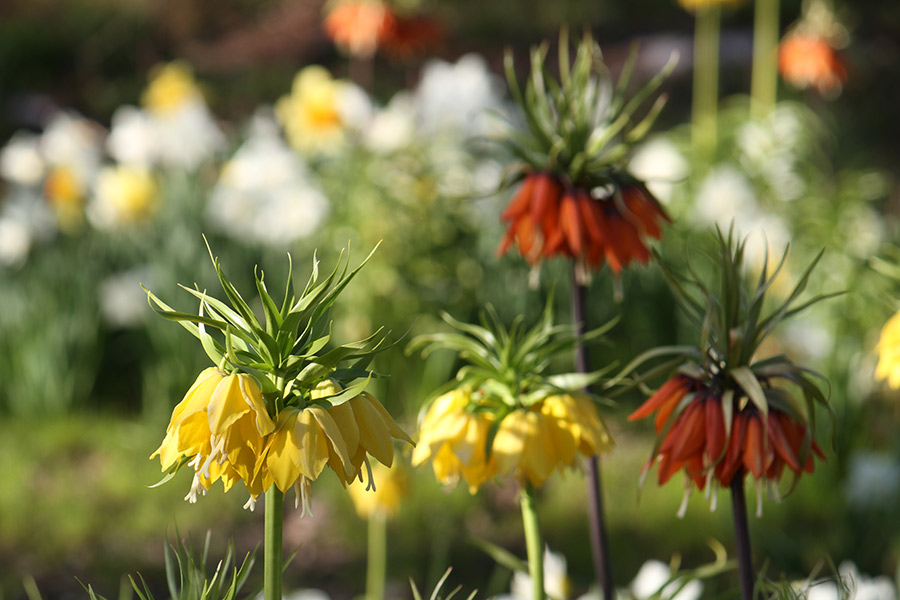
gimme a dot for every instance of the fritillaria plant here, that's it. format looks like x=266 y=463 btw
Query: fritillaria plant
x=278 y=405
x=726 y=410
x=576 y=198
x=504 y=416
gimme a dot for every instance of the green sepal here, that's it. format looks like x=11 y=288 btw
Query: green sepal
x=751 y=386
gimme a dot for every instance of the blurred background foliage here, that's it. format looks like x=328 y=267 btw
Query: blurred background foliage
x=88 y=375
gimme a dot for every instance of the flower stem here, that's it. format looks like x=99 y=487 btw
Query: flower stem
x=764 y=79
x=599 y=545
x=274 y=529
x=533 y=541
x=376 y=564
x=706 y=81
x=742 y=535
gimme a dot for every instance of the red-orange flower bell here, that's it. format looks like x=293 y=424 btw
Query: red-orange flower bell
x=698 y=442
x=546 y=218
x=807 y=60
x=359 y=26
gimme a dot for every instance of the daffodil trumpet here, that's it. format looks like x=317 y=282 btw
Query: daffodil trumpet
x=279 y=405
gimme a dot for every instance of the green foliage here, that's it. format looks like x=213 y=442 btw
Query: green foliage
x=436 y=593
x=506 y=365
x=289 y=345
x=188 y=578
x=582 y=125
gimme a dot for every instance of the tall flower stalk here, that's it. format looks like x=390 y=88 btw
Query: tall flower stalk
x=279 y=405
x=705 y=101
x=576 y=198
x=504 y=417
x=764 y=77
x=727 y=411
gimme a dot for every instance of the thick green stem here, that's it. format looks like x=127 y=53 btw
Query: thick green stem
x=764 y=80
x=377 y=557
x=706 y=81
x=274 y=530
x=533 y=541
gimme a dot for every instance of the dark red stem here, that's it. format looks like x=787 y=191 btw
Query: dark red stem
x=742 y=535
x=599 y=543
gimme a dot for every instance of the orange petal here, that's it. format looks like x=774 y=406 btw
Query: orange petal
x=645 y=210
x=521 y=201
x=780 y=443
x=570 y=224
x=727 y=468
x=546 y=189
x=667 y=468
x=754 y=454
x=588 y=216
x=715 y=429
x=691 y=435
x=659 y=397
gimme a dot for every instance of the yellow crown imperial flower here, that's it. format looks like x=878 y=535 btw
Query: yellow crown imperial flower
x=505 y=417
x=290 y=407
x=220 y=425
x=455 y=441
x=306 y=440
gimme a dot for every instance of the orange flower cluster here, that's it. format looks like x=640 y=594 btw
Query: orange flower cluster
x=697 y=440
x=807 y=60
x=546 y=218
x=360 y=27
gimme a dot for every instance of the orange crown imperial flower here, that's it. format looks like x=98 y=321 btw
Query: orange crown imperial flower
x=723 y=414
x=359 y=27
x=278 y=407
x=576 y=198
x=807 y=60
x=807 y=55
x=503 y=417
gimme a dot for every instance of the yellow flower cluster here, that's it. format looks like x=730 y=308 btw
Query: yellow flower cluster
x=171 y=86
x=311 y=114
x=223 y=426
x=889 y=352
x=530 y=443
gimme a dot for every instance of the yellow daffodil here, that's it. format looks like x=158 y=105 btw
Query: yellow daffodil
x=311 y=114
x=889 y=352
x=454 y=440
x=65 y=191
x=171 y=87
x=221 y=423
x=385 y=498
x=125 y=195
